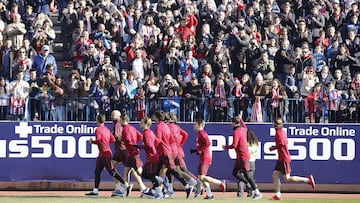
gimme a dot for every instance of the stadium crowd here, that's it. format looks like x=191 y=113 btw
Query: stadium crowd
x=208 y=59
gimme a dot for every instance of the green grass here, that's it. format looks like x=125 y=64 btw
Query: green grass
x=58 y=199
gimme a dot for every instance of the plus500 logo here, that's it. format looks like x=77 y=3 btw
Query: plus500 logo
x=47 y=146
x=317 y=149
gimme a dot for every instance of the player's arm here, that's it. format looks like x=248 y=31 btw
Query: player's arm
x=112 y=138
x=234 y=144
x=97 y=138
x=204 y=142
x=184 y=137
x=139 y=136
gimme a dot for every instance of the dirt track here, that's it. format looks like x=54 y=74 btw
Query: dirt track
x=179 y=194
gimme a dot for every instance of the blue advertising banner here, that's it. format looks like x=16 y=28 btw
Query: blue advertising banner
x=59 y=151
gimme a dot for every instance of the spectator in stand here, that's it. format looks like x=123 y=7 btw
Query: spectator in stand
x=284 y=59
x=141 y=67
x=334 y=99
x=276 y=104
x=206 y=100
x=172 y=103
x=42 y=59
x=16 y=31
x=189 y=66
x=341 y=85
x=218 y=55
x=259 y=91
x=47 y=102
x=221 y=102
x=60 y=100
x=19 y=89
x=325 y=76
x=4 y=98
x=314 y=103
x=68 y=20
x=7 y=55
x=296 y=107
x=266 y=67
x=291 y=83
x=309 y=79
x=252 y=58
x=192 y=92
x=315 y=22
x=34 y=84
x=30 y=52
x=91 y=61
x=23 y=63
x=343 y=61
x=82 y=44
x=173 y=61
x=302 y=34
x=320 y=58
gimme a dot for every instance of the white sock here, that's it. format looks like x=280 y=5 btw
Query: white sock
x=306 y=180
x=217 y=182
x=278 y=194
x=95 y=190
x=159 y=179
x=208 y=192
x=171 y=189
x=257 y=191
x=192 y=181
x=142 y=187
x=126 y=184
x=118 y=187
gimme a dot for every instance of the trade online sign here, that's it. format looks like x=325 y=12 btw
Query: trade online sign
x=49 y=151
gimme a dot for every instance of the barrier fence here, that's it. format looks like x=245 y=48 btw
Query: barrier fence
x=59 y=151
x=187 y=110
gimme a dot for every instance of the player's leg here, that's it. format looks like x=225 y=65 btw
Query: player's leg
x=119 y=190
x=202 y=172
x=98 y=169
x=277 y=184
x=137 y=176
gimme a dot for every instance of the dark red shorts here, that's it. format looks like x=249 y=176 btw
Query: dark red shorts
x=283 y=166
x=203 y=169
x=120 y=156
x=241 y=165
x=134 y=162
x=180 y=162
x=151 y=168
x=167 y=161
x=104 y=161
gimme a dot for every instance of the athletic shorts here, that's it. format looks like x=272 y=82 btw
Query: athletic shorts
x=134 y=162
x=167 y=161
x=151 y=168
x=120 y=156
x=104 y=161
x=241 y=165
x=203 y=169
x=283 y=166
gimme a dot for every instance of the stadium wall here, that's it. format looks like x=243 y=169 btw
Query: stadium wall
x=57 y=156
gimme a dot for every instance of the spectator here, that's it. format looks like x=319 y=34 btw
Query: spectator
x=221 y=102
x=314 y=103
x=60 y=100
x=192 y=92
x=343 y=61
x=259 y=92
x=4 y=98
x=266 y=68
x=19 y=89
x=189 y=66
x=171 y=102
x=309 y=79
x=334 y=99
x=46 y=99
x=296 y=107
x=7 y=54
x=41 y=60
x=325 y=76
x=23 y=63
x=284 y=59
x=341 y=85
x=276 y=103
x=140 y=103
x=15 y=31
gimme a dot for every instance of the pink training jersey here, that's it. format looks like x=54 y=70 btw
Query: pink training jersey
x=149 y=146
x=240 y=142
x=118 y=145
x=281 y=143
x=181 y=138
x=203 y=147
x=130 y=137
x=163 y=134
x=103 y=139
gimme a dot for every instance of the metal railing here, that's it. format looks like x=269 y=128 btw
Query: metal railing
x=187 y=110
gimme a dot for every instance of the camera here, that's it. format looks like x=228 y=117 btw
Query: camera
x=168 y=85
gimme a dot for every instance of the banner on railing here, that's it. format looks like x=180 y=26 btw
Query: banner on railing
x=59 y=151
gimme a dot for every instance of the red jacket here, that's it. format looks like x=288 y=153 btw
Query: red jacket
x=281 y=144
x=117 y=131
x=163 y=134
x=203 y=147
x=149 y=146
x=174 y=132
x=130 y=137
x=181 y=138
x=103 y=139
x=240 y=142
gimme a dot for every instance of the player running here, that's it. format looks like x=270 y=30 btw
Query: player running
x=241 y=169
x=103 y=139
x=203 y=150
x=283 y=163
